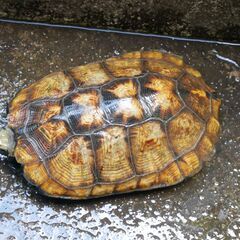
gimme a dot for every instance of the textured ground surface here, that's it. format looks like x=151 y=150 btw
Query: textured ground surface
x=204 y=207
x=216 y=19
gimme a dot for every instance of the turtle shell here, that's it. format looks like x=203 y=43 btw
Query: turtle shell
x=139 y=121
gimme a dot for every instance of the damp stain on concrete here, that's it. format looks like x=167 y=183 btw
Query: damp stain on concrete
x=204 y=207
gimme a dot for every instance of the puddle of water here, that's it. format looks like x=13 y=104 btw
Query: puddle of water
x=204 y=207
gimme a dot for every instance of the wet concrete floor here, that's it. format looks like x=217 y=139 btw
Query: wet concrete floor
x=206 y=206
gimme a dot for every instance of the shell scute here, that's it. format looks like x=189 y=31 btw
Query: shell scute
x=36 y=173
x=171 y=175
x=175 y=59
x=133 y=55
x=54 y=85
x=199 y=101
x=150 y=148
x=102 y=189
x=164 y=68
x=215 y=107
x=159 y=94
x=157 y=55
x=121 y=102
x=41 y=112
x=80 y=193
x=213 y=129
x=205 y=148
x=25 y=153
x=148 y=181
x=83 y=111
x=50 y=135
x=89 y=75
x=192 y=71
x=73 y=166
x=127 y=186
x=17 y=118
x=184 y=131
x=112 y=154
x=52 y=188
x=120 y=67
x=189 y=164
x=190 y=83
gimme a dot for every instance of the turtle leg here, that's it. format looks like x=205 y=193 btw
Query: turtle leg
x=7 y=142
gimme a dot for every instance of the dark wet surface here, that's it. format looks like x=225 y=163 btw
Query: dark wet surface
x=208 y=19
x=206 y=206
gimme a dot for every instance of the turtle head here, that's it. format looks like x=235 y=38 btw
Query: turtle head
x=7 y=142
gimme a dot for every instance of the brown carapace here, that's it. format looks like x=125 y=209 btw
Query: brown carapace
x=138 y=121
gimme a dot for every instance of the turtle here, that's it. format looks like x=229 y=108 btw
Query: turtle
x=138 y=121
